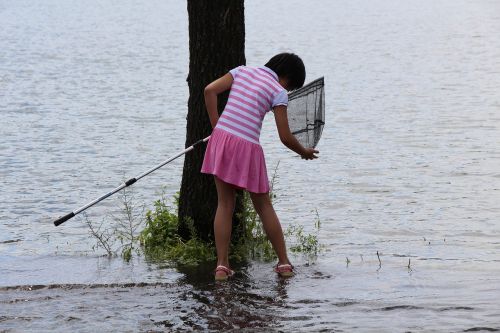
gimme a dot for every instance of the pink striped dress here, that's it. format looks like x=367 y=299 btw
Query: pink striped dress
x=234 y=153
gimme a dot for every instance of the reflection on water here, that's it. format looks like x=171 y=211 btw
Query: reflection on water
x=92 y=93
x=358 y=297
x=193 y=302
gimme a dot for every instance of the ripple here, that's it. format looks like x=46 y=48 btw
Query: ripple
x=482 y=329
x=85 y=286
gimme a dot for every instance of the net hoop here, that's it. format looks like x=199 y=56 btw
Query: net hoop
x=306 y=112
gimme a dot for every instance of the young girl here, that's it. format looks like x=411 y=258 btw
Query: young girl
x=234 y=155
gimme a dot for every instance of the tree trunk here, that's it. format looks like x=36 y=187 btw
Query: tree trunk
x=216 y=45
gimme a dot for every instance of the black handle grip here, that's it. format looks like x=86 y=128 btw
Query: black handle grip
x=63 y=219
x=130 y=181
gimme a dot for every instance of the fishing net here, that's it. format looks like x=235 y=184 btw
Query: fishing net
x=306 y=112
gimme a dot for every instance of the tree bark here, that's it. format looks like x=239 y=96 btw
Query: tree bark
x=216 y=45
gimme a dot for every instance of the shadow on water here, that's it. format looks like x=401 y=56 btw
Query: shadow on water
x=240 y=303
x=254 y=300
x=249 y=301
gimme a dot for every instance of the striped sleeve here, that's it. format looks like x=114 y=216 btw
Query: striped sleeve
x=234 y=71
x=281 y=98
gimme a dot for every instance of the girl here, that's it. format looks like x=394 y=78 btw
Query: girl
x=234 y=155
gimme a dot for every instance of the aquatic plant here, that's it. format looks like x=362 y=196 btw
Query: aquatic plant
x=161 y=241
x=128 y=224
x=305 y=244
x=125 y=230
x=156 y=234
x=104 y=238
x=379 y=262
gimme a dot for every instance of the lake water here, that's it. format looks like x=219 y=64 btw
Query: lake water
x=93 y=92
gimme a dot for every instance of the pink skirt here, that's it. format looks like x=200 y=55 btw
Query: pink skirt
x=236 y=161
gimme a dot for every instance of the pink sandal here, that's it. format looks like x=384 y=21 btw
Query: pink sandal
x=223 y=277
x=285 y=270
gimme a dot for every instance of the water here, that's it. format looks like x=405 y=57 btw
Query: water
x=94 y=92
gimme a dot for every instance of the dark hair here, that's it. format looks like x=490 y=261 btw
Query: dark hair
x=289 y=66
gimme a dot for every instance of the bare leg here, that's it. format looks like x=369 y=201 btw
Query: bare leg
x=271 y=223
x=223 y=220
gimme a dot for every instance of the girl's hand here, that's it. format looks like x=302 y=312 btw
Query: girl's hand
x=287 y=137
x=309 y=154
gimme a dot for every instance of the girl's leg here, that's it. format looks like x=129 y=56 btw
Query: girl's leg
x=223 y=220
x=271 y=223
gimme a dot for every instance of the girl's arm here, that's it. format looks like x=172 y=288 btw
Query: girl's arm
x=287 y=137
x=211 y=91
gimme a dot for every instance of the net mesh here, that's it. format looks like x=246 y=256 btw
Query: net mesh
x=306 y=112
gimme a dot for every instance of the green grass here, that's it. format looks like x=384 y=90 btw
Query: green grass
x=154 y=233
x=160 y=240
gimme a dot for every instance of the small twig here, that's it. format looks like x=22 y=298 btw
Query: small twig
x=274 y=180
x=379 y=261
x=102 y=238
x=317 y=224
